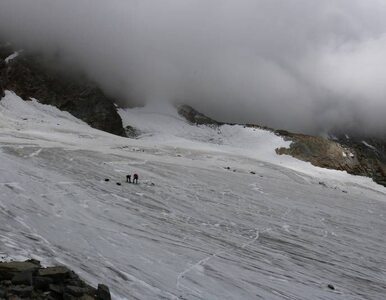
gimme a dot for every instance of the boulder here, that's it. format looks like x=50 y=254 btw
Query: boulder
x=75 y=290
x=9 y=269
x=131 y=132
x=103 y=292
x=24 y=277
x=86 y=297
x=67 y=296
x=22 y=291
x=30 y=280
x=56 y=288
x=42 y=283
x=55 y=273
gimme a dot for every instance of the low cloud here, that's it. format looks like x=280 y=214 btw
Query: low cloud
x=304 y=65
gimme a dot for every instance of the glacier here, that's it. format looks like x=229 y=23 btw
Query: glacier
x=216 y=215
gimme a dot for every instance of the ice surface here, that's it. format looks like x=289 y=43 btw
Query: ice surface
x=192 y=228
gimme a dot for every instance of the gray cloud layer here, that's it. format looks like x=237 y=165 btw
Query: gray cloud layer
x=304 y=65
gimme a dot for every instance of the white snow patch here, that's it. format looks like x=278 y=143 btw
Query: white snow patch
x=11 y=57
x=368 y=145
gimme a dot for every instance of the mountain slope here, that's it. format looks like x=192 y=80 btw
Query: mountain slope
x=34 y=76
x=192 y=228
x=355 y=154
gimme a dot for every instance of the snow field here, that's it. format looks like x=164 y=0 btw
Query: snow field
x=192 y=229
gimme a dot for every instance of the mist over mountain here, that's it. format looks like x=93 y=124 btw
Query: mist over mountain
x=303 y=65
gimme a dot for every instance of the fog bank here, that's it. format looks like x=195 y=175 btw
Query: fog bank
x=304 y=65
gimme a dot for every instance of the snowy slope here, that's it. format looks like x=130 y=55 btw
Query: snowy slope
x=192 y=229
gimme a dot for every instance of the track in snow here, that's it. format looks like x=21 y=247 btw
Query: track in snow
x=191 y=229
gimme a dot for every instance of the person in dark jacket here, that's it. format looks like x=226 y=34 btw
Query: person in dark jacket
x=128 y=178
x=135 y=178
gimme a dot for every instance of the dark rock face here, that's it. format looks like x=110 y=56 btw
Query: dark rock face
x=29 y=76
x=131 y=132
x=5 y=51
x=30 y=280
x=351 y=155
x=1 y=81
x=320 y=152
x=24 y=277
x=195 y=117
x=371 y=154
x=22 y=291
x=9 y=271
x=42 y=283
x=55 y=273
x=103 y=292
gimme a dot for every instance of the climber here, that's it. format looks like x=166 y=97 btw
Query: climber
x=135 y=178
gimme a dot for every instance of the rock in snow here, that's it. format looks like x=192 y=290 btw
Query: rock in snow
x=30 y=280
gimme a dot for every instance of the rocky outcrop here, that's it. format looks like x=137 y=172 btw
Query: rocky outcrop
x=320 y=152
x=29 y=280
x=351 y=155
x=132 y=132
x=29 y=76
x=195 y=117
x=371 y=154
x=339 y=152
x=5 y=51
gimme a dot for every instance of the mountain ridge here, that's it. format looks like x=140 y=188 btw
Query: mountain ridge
x=29 y=76
x=339 y=152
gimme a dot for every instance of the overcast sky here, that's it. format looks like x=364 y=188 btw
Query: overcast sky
x=304 y=65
